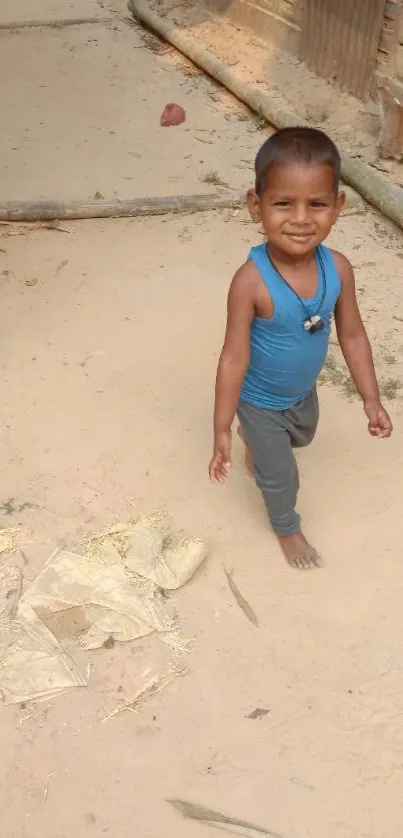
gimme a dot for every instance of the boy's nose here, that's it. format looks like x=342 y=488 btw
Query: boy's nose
x=300 y=214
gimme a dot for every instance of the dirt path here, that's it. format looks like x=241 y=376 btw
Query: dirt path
x=110 y=336
x=83 y=117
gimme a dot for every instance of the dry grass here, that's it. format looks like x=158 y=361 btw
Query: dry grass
x=334 y=375
x=152 y=42
x=214 y=179
x=390 y=389
x=156 y=685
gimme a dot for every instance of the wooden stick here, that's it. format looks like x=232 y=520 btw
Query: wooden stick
x=383 y=195
x=13 y=26
x=105 y=208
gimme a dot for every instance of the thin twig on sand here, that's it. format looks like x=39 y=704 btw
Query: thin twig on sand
x=242 y=602
x=156 y=685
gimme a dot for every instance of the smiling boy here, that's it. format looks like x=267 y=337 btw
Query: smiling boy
x=280 y=308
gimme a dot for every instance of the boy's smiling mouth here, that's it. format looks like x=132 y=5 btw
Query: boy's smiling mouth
x=300 y=237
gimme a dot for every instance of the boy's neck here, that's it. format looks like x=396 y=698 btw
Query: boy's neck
x=290 y=260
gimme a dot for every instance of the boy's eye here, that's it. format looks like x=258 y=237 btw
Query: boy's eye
x=317 y=204
x=282 y=204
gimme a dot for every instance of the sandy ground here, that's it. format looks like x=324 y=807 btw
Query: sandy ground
x=17 y=11
x=83 y=118
x=109 y=339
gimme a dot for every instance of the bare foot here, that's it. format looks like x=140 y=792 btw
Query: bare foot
x=249 y=462
x=299 y=553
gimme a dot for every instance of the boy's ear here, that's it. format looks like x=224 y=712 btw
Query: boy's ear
x=340 y=201
x=254 y=206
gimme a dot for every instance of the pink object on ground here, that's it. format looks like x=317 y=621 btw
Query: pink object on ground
x=172 y=115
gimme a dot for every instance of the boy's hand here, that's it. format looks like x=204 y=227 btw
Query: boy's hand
x=221 y=462
x=379 y=423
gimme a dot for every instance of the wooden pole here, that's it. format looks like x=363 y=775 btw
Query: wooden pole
x=57 y=23
x=104 y=208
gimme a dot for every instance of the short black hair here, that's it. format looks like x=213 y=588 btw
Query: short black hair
x=308 y=146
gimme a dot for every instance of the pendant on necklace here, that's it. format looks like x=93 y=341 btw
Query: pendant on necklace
x=314 y=324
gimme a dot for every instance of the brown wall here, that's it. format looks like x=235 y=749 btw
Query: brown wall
x=342 y=40
x=275 y=20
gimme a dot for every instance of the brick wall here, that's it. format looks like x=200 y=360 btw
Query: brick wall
x=391 y=35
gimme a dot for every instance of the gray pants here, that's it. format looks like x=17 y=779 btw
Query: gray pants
x=271 y=435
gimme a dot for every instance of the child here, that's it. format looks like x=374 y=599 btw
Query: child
x=280 y=307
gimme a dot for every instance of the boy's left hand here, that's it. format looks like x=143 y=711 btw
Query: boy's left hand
x=379 y=423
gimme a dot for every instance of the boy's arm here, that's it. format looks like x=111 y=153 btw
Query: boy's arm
x=232 y=367
x=357 y=351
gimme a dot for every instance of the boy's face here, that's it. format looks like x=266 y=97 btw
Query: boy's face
x=298 y=207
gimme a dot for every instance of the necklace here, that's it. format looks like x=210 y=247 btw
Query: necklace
x=312 y=322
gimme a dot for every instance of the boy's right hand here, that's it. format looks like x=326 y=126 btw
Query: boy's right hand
x=221 y=463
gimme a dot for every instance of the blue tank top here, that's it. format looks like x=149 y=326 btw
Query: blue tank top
x=285 y=359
